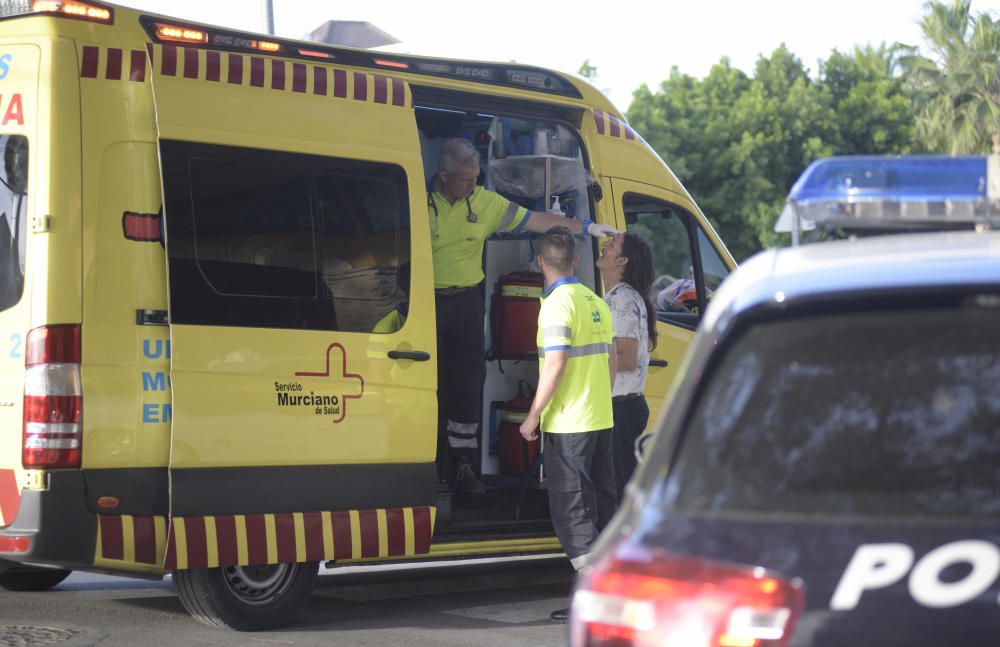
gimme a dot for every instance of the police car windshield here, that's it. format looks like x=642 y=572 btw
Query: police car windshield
x=13 y=207
x=877 y=413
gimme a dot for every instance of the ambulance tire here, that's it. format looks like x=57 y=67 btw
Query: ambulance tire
x=246 y=598
x=30 y=578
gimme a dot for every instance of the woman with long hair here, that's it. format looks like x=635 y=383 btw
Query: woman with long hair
x=626 y=266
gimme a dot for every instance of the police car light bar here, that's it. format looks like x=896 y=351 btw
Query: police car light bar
x=888 y=192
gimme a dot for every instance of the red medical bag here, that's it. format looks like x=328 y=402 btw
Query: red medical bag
x=517 y=455
x=514 y=314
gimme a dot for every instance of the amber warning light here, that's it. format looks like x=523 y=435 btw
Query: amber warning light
x=180 y=34
x=85 y=10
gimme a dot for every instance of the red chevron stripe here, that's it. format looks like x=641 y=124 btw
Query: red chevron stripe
x=112 y=546
x=213 y=65
x=89 y=67
x=225 y=533
x=312 y=523
x=113 y=72
x=144 y=534
x=197 y=543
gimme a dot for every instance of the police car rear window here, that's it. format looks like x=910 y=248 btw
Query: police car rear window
x=877 y=413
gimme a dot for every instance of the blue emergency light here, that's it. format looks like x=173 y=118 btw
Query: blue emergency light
x=883 y=193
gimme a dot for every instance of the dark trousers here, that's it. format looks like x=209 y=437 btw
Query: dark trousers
x=631 y=416
x=580 y=479
x=461 y=370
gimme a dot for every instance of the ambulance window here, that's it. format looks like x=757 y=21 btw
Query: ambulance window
x=270 y=239
x=673 y=289
x=365 y=235
x=13 y=217
x=713 y=266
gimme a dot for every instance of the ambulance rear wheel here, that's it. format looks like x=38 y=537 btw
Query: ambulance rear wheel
x=246 y=598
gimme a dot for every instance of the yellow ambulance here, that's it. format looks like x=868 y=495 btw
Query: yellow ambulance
x=200 y=229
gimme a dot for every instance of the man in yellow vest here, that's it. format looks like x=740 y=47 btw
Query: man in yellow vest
x=576 y=366
x=462 y=215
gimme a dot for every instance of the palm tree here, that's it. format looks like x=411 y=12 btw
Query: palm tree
x=957 y=90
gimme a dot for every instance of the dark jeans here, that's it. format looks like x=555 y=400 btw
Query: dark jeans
x=580 y=479
x=461 y=370
x=631 y=416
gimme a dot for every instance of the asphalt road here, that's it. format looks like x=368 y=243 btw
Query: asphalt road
x=481 y=602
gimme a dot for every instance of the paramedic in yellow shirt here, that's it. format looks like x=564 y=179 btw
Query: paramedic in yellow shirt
x=462 y=215
x=572 y=405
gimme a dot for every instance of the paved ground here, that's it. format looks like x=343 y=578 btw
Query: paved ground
x=482 y=602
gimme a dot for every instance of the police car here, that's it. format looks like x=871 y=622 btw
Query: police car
x=829 y=471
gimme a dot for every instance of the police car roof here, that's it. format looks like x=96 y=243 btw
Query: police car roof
x=781 y=277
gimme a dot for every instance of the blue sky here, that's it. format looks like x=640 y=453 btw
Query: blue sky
x=630 y=42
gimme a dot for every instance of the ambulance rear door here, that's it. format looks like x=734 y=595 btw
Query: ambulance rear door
x=288 y=191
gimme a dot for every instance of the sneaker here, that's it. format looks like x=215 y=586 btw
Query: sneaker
x=560 y=615
x=466 y=481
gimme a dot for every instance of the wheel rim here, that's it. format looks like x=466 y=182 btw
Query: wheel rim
x=259 y=585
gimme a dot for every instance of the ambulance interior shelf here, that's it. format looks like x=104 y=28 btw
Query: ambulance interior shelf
x=539 y=166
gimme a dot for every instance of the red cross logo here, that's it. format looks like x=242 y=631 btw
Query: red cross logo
x=343 y=374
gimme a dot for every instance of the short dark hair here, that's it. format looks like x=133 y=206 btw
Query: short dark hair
x=558 y=249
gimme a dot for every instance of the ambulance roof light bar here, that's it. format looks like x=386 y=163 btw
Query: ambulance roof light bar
x=505 y=74
x=75 y=9
x=920 y=192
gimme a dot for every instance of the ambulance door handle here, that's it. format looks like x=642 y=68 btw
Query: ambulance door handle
x=415 y=355
x=658 y=362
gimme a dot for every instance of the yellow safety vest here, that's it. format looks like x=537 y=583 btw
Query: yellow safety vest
x=573 y=318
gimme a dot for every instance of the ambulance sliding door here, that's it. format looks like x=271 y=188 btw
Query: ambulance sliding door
x=288 y=190
x=688 y=270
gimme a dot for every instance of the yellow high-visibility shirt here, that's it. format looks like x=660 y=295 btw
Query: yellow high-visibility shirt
x=573 y=318
x=457 y=239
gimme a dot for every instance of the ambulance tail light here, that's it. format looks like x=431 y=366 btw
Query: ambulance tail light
x=53 y=398
x=640 y=597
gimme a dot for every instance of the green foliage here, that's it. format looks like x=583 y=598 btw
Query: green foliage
x=588 y=71
x=956 y=90
x=738 y=143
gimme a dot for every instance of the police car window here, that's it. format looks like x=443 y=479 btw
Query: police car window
x=673 y=289
x=13 y=218
x=879 y=413
x=281 y=240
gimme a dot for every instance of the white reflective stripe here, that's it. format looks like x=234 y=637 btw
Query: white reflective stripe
x=508 y=216
x=462 y=434
x=557 y=331
x=52 y=379
x=462 y=443
x=589 y=349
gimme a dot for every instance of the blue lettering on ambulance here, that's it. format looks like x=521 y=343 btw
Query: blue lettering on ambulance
x=5 y=61
x=156 y=413
x=157 y=349
x=155 y=381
